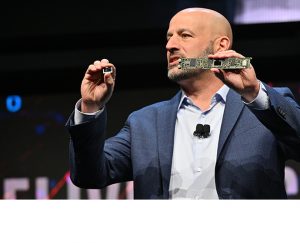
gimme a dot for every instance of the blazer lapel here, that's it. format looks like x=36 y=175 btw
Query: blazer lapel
x=166 y=120
x=233 y=108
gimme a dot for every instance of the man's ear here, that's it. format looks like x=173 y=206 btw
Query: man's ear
x=222 y=44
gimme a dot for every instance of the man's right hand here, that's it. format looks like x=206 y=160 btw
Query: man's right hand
x=96 y=87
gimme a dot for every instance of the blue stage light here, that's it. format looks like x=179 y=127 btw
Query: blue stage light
x=13 y=103
x=40 y=129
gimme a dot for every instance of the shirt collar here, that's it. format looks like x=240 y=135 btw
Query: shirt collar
x=220 y=95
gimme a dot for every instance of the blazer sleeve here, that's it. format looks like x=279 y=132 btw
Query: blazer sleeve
x=282 y=119
x=95 y=163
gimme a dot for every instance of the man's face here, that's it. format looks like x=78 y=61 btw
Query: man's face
x=187 y=37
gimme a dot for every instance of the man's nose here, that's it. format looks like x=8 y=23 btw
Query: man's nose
x=172 y=44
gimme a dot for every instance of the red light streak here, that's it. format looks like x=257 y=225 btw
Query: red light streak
x=59 y=185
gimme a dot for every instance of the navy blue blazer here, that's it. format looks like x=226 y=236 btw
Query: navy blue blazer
x=252 y=150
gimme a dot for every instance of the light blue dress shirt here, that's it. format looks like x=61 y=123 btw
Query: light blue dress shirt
x=194 y=158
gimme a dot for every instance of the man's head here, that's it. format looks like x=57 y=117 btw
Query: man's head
x=195 y=32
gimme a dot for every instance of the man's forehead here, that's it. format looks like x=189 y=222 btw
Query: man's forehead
x=185 y=22
x=182 y=16
x=190 y=19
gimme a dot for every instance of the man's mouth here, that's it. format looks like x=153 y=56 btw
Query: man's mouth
x=173 y=60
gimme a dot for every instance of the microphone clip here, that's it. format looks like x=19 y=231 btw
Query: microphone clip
x=202 y=131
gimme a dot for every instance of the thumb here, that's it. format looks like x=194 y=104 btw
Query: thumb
x=219 y=73
x=108 y=79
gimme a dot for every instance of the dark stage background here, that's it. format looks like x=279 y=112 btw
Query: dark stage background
x=46 y=48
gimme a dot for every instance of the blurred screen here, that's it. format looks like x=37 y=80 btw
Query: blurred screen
x=266 y=11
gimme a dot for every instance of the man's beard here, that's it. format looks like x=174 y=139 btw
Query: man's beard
x=178 y=75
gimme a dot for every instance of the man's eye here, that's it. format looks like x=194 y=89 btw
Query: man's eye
x=184 y=35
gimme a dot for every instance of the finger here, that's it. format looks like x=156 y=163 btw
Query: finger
x=113 y=72
x=98 y=64
x=92 y=69
x=224 y=72
x=226 y=54
x=104 y=60
x=215 y=70
x=109 y=79
x=101 y=64
x=94 y=72
x=219 y=73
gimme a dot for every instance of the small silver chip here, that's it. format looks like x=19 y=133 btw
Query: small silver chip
x=107 y=70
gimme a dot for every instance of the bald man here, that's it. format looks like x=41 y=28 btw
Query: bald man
x=253 y=128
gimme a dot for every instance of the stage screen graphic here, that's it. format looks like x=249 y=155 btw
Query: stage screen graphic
x=266 y=11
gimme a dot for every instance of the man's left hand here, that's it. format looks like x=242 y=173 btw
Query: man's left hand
x=243 y=81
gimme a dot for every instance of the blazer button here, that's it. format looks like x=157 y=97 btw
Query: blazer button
x=281 y=112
